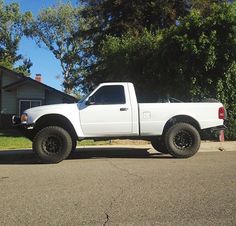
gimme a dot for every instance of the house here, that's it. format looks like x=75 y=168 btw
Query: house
x=18 y=93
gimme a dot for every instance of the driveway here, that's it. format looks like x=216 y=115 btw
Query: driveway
x=119 y=186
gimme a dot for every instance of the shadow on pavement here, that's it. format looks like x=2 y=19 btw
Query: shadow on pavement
x=28 y=156
x=18 y=157
x=114 y=152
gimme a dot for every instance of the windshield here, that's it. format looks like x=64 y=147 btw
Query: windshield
x=84 y=97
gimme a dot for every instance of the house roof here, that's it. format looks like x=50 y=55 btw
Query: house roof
x=24 y=79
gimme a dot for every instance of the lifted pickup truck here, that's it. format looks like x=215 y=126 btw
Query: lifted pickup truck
x=112 y=111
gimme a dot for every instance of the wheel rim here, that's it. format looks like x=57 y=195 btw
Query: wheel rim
x=52 y=145
x=183 y=140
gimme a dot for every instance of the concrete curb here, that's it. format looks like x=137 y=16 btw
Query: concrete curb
x=206 y=146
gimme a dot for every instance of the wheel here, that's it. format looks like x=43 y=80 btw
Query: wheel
x=52 y=144
x=182 y=140
x=159 y=145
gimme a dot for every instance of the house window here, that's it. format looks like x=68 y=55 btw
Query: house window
x=26 y=104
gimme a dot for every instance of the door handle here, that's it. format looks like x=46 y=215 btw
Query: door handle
x=123 y=109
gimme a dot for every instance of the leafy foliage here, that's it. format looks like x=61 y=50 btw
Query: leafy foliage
x=191 y=61
x=12 y=25
x=188 y=60
x=117 y=18
x=204 y=6
x=226 y=88
x=112 y=17
x=57 y=28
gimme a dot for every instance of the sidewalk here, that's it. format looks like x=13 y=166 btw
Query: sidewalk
x=206 y=146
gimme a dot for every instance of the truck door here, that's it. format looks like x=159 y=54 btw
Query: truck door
x=107 y=112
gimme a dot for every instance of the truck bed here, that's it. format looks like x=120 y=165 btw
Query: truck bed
x=153 y=116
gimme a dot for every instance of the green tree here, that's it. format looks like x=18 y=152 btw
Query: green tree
x=226 y=92
x=135 y=59
x=58 y=28
x=12 y=25
x=204 y=6
x=112 y=17
x=191 y=61
x=117 y=18
x=204 y=48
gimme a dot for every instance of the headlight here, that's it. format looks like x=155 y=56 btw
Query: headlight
x=24 y=118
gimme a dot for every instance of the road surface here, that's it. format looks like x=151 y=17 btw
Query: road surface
x=118 y=186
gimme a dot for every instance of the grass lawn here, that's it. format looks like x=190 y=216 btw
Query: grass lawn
x=11 y=139
x=14 y=143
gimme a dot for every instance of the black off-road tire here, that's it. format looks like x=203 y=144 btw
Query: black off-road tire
x=182 y=140
x=52 y=144
x=159 y=145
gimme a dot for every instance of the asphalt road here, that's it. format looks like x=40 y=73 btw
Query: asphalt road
x=118 y=186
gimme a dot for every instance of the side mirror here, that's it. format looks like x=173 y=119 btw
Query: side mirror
x=90 y=101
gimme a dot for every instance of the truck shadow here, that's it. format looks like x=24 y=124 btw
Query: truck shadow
x=10 y=157
x=114 y=152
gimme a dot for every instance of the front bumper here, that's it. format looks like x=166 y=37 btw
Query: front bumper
x=15 y=120
x=25 y=129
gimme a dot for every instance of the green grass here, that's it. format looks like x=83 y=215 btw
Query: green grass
x=11 y=139
x=14 y=143
x=91 y=143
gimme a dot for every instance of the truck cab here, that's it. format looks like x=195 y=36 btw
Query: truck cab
x=110 y=110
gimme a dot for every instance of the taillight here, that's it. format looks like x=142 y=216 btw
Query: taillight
x=221 y=113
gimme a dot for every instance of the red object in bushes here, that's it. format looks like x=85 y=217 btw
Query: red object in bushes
x=222 y=136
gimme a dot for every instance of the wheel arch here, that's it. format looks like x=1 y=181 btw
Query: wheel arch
x=181 y=118
x=55 y=120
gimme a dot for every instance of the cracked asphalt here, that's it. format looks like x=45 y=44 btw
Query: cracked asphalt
x=118 y=186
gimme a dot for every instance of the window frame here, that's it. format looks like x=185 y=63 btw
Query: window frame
x=123 y=90
x=28 y=100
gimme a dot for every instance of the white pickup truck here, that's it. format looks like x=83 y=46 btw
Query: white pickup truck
x=112 y=111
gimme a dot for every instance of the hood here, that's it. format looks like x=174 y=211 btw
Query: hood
x=49 y=107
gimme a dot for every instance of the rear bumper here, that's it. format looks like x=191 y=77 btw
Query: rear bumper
x=217 y=128
x=220 y=127
x=213 y=133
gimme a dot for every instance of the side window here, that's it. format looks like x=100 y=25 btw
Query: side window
x=109 y=95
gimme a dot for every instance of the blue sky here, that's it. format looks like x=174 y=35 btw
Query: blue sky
x=43 y=60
